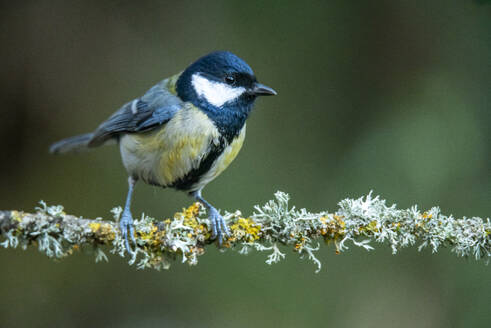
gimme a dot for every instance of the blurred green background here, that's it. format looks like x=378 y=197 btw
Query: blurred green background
x=392 y=96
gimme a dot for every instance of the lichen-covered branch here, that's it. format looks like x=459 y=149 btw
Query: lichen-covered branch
x=360 y=222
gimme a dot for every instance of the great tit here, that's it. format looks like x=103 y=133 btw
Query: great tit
x=183 y=132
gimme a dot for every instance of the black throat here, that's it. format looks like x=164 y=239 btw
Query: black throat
x=229 y=120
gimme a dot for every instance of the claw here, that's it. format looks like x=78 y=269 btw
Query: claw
x=219 y=228
x=126 y=225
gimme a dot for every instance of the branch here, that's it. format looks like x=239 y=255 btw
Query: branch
x=357 y=221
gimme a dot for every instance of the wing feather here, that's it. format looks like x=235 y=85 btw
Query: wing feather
x=152 y=110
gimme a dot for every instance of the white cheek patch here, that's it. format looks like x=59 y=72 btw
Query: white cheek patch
x=216 y=93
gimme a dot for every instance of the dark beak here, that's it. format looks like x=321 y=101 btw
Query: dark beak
x=262 y=90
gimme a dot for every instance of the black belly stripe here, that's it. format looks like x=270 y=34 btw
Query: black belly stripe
x=192 y=177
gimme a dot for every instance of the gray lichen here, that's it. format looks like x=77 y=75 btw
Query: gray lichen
x=359 y=221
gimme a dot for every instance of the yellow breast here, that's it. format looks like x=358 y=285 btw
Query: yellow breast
x=223 y=161
x=163 y=156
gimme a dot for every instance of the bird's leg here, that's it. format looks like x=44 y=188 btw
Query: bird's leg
x=126 y=222
x=218 y=226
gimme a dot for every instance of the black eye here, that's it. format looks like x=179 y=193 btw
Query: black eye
x=229 y=79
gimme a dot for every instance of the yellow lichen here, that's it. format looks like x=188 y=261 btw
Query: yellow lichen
x=332 y=228
x=427 y=215
x=74 y=248
x=17 y=216
x=227 y=243
x=153 y=238
x=191 y=222
x=189 y=213
x=94 y=226
x=245 y=229
x=190 y=219
x=103 y=231
x=147 y=235
x=300 y=244
x=339 y=221
x=372 y=226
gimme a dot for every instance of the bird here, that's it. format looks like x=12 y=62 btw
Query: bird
x=182 y=133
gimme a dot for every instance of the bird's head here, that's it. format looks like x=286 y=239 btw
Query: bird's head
x=221 y=82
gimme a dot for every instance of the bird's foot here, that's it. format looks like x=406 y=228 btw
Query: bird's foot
x=219 y=228
x=126 y=227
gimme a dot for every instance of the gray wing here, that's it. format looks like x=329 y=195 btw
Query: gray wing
x=152 y=110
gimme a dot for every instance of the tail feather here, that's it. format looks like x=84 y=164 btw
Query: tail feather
x=73 y=144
